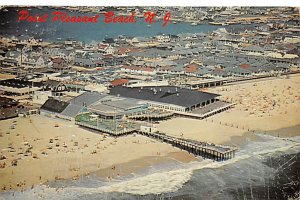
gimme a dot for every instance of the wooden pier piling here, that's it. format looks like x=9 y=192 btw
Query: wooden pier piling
x=205 y=150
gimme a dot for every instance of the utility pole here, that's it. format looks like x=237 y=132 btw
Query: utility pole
x=115 y=116
x=97 y=121
x=18 y=70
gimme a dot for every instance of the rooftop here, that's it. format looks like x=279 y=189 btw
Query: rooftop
x=54 y=105
x=166 y=94
x=87 y=98
x=17 y=83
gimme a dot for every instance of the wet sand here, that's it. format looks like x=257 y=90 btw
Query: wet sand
x=134 y=166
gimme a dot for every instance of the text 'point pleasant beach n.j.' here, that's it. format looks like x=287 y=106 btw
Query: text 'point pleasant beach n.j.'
x=149 y=102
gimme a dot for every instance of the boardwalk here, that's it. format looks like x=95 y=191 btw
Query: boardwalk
x=114 y=132
x=120 y=128
x=206 y=150
x=153 y=115
x=207 y=111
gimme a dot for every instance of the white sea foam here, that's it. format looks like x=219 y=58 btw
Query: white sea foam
x=171 y=181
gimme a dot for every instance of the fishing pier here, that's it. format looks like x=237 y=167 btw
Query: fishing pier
x=120 y=128
x=203 y=149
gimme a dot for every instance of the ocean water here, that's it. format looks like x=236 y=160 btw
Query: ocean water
x=260 y=170
x=88 y=32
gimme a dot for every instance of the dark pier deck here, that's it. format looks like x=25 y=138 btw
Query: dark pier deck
x=203 y=149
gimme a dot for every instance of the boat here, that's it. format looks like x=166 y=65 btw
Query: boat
x=215 y=23
x=149 y=26
x=224 y=24
x=194 y=24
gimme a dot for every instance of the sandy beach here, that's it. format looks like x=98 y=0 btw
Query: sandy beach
x=201 y=130
x=47 y=149
x=44 y=149
x=265 y=106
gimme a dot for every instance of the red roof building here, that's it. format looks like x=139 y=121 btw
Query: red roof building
x=244 y=66
x=119 y=82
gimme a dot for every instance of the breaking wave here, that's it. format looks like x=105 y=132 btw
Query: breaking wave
x=163 y=181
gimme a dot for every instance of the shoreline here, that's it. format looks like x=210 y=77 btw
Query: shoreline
x=119 y=171
x=76 y=152
x=79 y=152
x=126 y=169
x=120 y=188
x=143 y=164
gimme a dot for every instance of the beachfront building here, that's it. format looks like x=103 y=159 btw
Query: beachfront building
x=106 y=113
x=97 y=111
x=105 y=106
x=168 y=98
x=68 y=110
x=113 y=107
x=110 y=115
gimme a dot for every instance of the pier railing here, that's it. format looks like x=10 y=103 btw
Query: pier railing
x=203 y=149
x=151 y=116
x=116 y=132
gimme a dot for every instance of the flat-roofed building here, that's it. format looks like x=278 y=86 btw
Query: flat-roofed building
x=105 y=106
x=112 y=107
x=19 y=87
x=169 y=98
